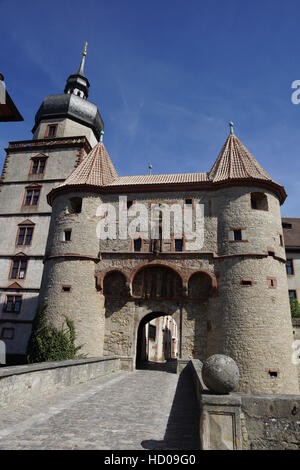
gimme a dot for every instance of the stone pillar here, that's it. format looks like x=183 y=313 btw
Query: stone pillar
x=220 y=422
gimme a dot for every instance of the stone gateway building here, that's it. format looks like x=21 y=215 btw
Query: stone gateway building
x=228 y=296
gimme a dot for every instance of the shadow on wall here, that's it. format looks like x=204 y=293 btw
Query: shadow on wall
x=16 y=339
x=182 y=431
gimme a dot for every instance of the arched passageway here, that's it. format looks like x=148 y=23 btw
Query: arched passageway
x=157 y=341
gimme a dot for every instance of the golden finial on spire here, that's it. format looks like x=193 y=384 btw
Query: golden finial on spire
x=85 y=47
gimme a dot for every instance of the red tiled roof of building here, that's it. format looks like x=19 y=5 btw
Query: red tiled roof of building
x=234 y=165
x=160 y=179
x=96 y=169
x=236 y=162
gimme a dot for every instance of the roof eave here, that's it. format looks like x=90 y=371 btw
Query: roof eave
x=192 y=186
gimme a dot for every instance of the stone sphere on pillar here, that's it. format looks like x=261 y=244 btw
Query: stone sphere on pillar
x=220 y=374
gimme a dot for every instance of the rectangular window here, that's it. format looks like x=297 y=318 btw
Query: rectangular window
x=13 y=303
x=178 y=242
x=32 y=197
x=246 y=282
x=24 y=236
x=188 y=201
x=42 y=166
x=51 y=130
x=129 y=203
x=237 y=234
x=152 y=332
x=38 y=166
x=18 y=270
x=280 y=240
x=67 y=235
x=35 y=167
x=66 y=288
x=289 y=267
x=293 y=294
x=287 y=225
x=272 y=282
x=137 y=244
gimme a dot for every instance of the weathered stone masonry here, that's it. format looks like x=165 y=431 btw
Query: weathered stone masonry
x=228 y=317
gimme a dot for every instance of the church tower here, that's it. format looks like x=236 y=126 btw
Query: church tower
x=66 y=127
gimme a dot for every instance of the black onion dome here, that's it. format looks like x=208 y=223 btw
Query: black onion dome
x=73 y=103
x=73 y=107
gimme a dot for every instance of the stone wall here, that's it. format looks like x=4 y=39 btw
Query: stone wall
x=23 y=383
x=244 y=421
x=61 y=159
x=271 y=422
x=85 y=306
x=250 y=322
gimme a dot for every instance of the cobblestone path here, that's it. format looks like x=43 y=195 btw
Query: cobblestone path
x=144 y=409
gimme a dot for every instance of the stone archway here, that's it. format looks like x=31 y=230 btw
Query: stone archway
x=200 y=285
x=157 y=341
x=157 y=282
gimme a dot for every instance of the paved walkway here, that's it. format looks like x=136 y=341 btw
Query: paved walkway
x=144 y=409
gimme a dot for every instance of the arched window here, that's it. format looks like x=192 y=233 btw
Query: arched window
x=114 y=285
x=200 y=285
x=74 y=205
x=259 y=201
x=157 y=282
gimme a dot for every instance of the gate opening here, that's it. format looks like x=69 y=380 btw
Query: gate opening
x=157 y=342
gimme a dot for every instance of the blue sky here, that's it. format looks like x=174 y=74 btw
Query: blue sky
x=167 y=77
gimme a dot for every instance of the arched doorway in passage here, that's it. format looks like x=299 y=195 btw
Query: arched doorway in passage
x=157 y=341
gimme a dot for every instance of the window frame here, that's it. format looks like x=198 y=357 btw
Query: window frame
x=133 y=245
x=292 y=267
x=151 y=330
x=69 y=231
x=38 y=160
x=281 y=243
x=5 y=310
x=47 y=132
x=174 y=244
x=272 y=280
x=25 y=227
x=189 y=199
x=258 y=199
x=20 y=261
x=233 y=231
x=33 y=189
x=247 y=282
x=293 y=297
x=66 y=288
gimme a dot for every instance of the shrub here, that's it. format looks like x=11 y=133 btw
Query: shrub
x=295 y=307
x=48 y=343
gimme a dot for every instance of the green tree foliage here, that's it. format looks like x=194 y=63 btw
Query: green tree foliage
x=295 y=308
x=48 y=343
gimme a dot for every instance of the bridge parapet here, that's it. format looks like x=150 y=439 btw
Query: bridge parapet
x=19 y=384
x=246 y=421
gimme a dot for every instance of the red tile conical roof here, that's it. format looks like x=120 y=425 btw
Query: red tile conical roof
x=96 y=169
x=236 y=162
x=234 y=166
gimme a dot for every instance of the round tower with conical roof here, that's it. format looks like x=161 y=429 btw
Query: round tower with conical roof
x=69 y=286
x=252 y=323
